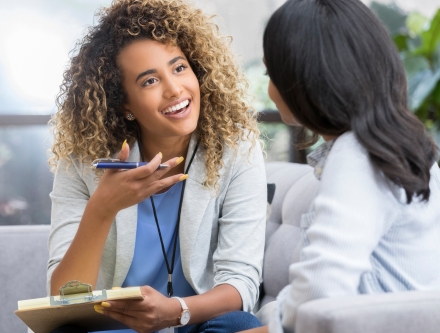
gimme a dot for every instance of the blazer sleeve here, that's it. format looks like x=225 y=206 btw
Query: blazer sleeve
x=69 y=198
x=354 y=208
x=238 y=258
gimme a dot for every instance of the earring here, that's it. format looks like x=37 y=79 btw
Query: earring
x=130 y=116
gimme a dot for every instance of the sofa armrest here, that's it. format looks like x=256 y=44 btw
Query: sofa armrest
x=403 y=312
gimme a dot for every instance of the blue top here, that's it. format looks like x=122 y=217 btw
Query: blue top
x=148 y=266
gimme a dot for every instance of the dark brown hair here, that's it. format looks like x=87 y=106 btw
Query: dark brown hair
x=338 y=70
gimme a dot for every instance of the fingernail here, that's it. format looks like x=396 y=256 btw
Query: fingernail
x=106 y=304
x=116 y=288
x=99 y=311
x=160 y=155
x=124 y=144
x=98 y=307
x=179 y=160
x=183 y=177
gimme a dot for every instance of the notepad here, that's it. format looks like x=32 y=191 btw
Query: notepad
x=74 y=306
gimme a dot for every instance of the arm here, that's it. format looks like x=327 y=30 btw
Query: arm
x=83 y=257
x=262 y=329
x=80 y=225
x=238 y=259
x=353 y=210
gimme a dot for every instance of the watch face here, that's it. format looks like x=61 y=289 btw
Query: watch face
x=184 y=319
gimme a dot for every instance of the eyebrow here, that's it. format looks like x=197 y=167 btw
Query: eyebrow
x=151 y=71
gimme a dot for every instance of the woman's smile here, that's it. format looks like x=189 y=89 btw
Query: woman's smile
x=178 y=109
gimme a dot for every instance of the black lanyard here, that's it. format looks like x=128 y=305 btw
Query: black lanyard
x=170 y=269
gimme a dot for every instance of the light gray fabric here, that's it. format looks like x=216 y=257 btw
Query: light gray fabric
x=23 y=258
x=221 y=233
x=296 y=187
x=404 y=312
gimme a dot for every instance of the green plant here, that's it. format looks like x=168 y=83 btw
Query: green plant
x=418 y=41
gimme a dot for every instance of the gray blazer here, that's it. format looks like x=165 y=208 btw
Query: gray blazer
x=221 y=232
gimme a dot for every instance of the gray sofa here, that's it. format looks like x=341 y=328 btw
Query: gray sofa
x=23 y=257
x=23 y=260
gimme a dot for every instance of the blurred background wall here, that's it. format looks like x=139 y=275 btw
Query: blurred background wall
x=36 y=37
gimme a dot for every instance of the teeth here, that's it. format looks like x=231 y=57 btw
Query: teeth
x=176 y=107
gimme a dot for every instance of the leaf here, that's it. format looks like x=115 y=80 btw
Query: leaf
x=436 y=58
x=414 y=64
x=416 y=23
x=430 y=37
x=420 y=86
x=436 y=96
x=391 y=16
x=401 y=42
x=414 y=43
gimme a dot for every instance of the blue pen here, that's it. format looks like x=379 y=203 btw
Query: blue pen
x=111 y=163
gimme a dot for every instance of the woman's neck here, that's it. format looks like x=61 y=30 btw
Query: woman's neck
x=170 y=147
x=329 y=137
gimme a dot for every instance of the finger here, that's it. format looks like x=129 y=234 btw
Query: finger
x=124 y=152
x=122 y=155
x=143 y=173
x=163 y=183
x=124 y=318
x=149 y=169
x=123 y=306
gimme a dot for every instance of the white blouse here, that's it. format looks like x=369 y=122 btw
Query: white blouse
x=360 y=236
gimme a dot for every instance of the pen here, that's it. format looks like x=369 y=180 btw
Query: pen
x=117 y=164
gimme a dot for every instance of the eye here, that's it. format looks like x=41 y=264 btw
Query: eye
x=180 y=68
x=149 y=81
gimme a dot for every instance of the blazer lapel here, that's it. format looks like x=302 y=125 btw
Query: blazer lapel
x=126 y=225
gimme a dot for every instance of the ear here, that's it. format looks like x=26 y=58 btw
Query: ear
x=127 y=113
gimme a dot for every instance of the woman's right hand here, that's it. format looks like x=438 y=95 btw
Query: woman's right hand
x=121 y=189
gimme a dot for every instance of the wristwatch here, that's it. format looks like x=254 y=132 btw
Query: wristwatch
x=185 y=315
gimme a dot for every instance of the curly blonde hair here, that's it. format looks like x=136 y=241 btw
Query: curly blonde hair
x=90 y=122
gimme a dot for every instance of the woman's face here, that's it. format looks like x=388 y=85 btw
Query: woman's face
x=282 y=107
x=163 y=91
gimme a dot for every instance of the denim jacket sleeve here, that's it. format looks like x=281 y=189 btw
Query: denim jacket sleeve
x=349 y=216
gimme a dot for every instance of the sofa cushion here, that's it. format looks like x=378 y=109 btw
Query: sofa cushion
x=409 y=312
x=296 y=187
x=23 y=261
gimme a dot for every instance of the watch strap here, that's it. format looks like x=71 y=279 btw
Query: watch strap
x=182 y=303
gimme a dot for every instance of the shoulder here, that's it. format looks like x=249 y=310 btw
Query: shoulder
x=247 y=153
x=348 y=169
x=248 y=147
x=348 y=144
x=347 y=156
x=245 y=159
x=70 y=165
x=74 y=170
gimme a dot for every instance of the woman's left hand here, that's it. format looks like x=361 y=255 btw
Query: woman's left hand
x=153 y=313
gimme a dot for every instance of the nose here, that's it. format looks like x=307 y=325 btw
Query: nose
x=173 y=88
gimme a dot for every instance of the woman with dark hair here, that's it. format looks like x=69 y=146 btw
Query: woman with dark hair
x=157 y=78
x=374 y=226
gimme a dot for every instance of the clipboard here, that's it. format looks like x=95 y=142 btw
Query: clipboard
x=74 y=306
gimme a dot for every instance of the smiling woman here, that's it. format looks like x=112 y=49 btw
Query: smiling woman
x=158 y=75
